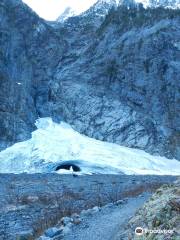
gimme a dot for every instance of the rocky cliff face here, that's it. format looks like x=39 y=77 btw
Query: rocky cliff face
x=165 y=3
x=123 y=85
x=17 y=109
x=114 y=79
x=25 y=69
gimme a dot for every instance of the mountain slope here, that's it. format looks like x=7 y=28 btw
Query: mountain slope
x=114 y=79
x=165 y=3
x=127 y=77
x=68 y=12
x=24 y=71
x=17 y=110
x=160 y=212
x=101 y=7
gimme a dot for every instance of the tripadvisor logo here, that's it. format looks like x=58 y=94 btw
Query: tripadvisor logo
x=139 y=231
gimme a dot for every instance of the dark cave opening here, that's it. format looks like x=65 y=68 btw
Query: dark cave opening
x=67 y=166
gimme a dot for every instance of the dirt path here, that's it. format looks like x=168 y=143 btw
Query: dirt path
x=33 y=203
x=106 y=223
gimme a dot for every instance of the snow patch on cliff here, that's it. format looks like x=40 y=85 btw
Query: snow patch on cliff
x=68 y=12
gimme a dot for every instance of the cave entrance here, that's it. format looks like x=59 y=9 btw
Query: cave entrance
x=68 y=166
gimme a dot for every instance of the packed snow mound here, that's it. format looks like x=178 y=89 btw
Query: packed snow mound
x=52 y=144
x=68 y=12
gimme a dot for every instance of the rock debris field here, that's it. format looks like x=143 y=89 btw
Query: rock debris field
x=32 y=204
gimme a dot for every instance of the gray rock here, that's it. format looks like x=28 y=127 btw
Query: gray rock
x=66 y=220
x=76 y=219
x=53 y=232
x=109 y=205
x=95 y=209
x=120 y=202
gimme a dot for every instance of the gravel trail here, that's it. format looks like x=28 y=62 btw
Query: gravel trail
x=32 y=203
x=106 y=223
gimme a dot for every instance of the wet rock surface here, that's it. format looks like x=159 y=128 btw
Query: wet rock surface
x=25 y=69
x=30 y=204
x=125 y=92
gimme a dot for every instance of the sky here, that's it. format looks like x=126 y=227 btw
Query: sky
x=51 y=9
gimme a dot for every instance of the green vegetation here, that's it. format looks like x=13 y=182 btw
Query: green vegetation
x=111 y=70
x=160 y=212
x=137 y=16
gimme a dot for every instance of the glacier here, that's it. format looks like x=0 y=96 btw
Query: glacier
x=53 y=143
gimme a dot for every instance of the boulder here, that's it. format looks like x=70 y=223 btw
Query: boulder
x=53 y=232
